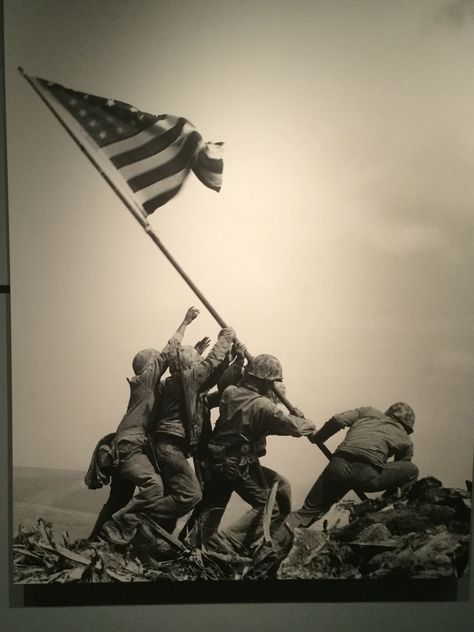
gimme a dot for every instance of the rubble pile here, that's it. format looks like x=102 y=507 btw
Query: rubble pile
x=421 y=534
x=40 y=558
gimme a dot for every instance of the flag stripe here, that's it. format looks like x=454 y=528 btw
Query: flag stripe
x=153 y=146
x=211 y=180
x=147 y=164
x=183 y=159
x=151 y=155
x=163 y=124
x=208 y=168
x=210 y=164
x=157 y=189
x=159 y=200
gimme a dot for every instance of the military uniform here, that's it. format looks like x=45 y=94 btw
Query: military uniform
x=246 y=418
x=360 y=461
x=178 y=428
x=136 y=463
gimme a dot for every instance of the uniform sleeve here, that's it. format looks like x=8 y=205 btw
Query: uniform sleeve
x=231 y=375
x=152 y=374
x=271 y=420
x=172 y=345
x=202 y=372
x=348 y=417
x=213 y=399
x=328 y=430
x=404 y=452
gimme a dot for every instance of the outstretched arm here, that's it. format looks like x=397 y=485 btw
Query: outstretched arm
x=233 y=373
x=342 y=420
x=330 y=427
x=153 y=372
x=191 y=314
x=272 y=420
x=202 y=345
x=207 y=369
x=175 y=340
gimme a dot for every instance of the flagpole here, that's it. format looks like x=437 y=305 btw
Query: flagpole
x=143 y=223
x=136 y=213
x=156 y=240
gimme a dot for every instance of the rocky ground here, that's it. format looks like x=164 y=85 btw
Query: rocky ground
x=422 y=535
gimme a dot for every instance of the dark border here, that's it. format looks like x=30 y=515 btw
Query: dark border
x=209 y=592
x=6 y=453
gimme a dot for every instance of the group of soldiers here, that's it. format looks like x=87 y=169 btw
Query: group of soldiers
x=168 y=421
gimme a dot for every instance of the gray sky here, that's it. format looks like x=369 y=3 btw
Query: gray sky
x=342 y=240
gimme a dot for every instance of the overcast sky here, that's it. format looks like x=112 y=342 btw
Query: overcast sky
x=342 y=240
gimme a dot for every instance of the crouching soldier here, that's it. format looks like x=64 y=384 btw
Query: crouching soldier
x=247 y=415
x=136 y=465
x=178 y=425
x=360 y=462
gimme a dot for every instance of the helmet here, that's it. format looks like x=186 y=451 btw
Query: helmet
x=403 y=413
x=143 y=359
x=266 y=367
x=184 y=358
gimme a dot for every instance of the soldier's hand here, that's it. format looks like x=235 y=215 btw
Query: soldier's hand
x=297 y=412
x=227 y=332
x=240 y=349
x=191 y=314
x=202 y=345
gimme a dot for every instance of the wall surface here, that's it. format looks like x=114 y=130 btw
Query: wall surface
x=429 y=617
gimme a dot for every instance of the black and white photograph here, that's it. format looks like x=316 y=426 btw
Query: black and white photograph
x=241 y=244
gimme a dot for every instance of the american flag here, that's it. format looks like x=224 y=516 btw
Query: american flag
x=152 y=153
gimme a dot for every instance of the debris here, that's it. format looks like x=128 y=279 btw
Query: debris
x=337 y=516
x=423 y=533
x=421 y=486
x=376 y=533
x=316 y=556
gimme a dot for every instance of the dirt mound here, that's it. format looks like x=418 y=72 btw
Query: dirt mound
x=423 y=534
